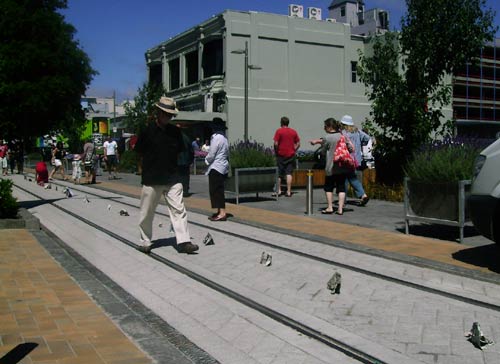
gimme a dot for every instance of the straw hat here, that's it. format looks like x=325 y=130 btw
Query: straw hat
x=167 y=105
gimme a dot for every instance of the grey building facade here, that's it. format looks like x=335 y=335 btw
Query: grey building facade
x=302 y=68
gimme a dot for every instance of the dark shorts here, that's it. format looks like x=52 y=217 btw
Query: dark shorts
x=335 y=181
x=285 y=165
x=111 y=160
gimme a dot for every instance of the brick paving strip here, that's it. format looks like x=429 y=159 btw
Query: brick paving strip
x=40 y=303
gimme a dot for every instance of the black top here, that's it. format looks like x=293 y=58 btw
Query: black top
x=58 y=154
x=159 y=149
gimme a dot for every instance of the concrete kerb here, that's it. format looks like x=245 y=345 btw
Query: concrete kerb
x=25 y=220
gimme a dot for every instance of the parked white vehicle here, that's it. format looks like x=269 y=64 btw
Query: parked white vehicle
x=484 y=200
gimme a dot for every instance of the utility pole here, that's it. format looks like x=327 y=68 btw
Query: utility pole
x=245 y=101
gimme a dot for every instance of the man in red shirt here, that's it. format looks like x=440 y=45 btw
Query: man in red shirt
x=286 y=144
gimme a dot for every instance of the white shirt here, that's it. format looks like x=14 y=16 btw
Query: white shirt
x=110 y=147
x=218 y=156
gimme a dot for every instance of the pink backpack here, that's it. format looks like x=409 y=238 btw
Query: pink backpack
x=342 y=157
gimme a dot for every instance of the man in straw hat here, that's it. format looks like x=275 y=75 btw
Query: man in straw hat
x=159 y=145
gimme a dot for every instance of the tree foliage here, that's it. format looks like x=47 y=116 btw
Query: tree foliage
x=43 y=71
x=138 y=113
x=406 y=73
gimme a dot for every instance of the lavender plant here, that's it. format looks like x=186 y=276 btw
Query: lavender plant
x=446 y=160
x=247 y=154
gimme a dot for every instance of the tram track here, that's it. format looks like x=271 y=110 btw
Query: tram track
x=309 y=331
x=335 y=263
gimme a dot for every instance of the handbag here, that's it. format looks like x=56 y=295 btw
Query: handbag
x=342 y=157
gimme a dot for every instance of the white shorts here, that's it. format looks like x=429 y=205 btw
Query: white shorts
x=3 y=162
x=57 y=162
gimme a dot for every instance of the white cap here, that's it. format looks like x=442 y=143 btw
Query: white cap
x=346 y=120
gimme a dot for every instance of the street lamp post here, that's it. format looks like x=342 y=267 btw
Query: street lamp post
x=245 y=105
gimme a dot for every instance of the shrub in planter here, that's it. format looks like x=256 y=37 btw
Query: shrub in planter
x=447 y=160
x=250 y=154
x=435 y=171
x=8 y=204
x=262 y=174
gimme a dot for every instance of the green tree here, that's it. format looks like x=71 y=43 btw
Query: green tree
x=406 y=74
x=43 y=71
x=137 y=113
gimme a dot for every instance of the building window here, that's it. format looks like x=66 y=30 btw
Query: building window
x=174 y=74
x=155 y=74
x=342 y=11
x=212 y=61
x=191 y=68
x=354 y=72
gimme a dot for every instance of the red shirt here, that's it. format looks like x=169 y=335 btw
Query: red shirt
x=42 y=175
x=3 y=150
x=286 y=138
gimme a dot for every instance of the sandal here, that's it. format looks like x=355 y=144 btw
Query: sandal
x=339 y=213
x=326 y=212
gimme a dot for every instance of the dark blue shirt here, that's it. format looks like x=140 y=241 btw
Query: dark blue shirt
x=159 y=149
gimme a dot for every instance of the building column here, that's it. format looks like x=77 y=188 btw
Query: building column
x=164 y=70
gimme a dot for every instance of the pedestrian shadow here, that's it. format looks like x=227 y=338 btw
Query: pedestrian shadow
x=486 y=256
x=164 y=242
x=243 y=199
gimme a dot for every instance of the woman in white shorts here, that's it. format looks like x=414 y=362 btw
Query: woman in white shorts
x=57 y=156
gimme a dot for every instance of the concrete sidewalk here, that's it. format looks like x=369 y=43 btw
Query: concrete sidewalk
x=377 y=227
x=377 y=214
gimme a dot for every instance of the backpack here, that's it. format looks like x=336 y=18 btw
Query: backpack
x=89 y=158
x=342 y=157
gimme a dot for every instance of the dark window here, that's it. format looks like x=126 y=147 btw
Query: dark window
x=212 y=58
x=155 y=74
x=342 y=11
x=174 y=74
x=382 y=18
x=354 y=72
x=191 y=68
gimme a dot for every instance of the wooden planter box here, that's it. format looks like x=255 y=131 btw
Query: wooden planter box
x=300 y=177
x=252 y=180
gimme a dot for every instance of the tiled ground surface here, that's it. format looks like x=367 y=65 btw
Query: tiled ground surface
x=40 y=303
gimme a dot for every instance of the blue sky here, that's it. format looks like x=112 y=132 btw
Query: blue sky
x=116 y=33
